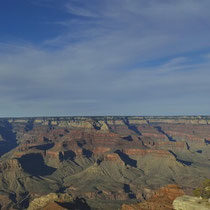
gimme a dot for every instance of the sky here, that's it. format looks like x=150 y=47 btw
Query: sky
x=104 y=57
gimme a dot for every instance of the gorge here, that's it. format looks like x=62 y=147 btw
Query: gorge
x=103 y=162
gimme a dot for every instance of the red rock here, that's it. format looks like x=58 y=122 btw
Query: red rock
x=161 y=200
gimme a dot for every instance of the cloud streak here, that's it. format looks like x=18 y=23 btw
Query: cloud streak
x=113 y=58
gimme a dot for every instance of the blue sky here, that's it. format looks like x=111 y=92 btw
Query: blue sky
x=104 y=57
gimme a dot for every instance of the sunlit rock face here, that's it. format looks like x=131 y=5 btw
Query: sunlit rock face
x=114 y=160
x=190 y=203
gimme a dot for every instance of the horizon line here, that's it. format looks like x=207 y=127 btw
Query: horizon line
x=99 y=116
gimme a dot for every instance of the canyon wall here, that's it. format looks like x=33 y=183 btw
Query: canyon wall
x=114 y=160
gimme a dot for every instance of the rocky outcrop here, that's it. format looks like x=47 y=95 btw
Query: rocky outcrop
x=190 y=203
x=162 y=199
x=58 y=201
x=50 y=200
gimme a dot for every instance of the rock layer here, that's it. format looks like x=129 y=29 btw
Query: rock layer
x=113 y=160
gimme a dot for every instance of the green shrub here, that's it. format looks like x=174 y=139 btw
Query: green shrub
x=197 y=192
x=206 y=183
x=203 y=191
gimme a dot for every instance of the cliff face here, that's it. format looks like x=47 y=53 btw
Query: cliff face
x=111 y=159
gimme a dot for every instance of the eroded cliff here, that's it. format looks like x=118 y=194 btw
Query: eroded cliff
x=108 y=161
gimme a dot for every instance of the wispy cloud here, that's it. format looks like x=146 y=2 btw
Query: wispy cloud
x=114 y=57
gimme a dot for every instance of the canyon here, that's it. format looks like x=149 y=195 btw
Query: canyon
x=108 y=162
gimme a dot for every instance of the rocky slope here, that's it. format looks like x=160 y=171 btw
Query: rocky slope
x=108 y=161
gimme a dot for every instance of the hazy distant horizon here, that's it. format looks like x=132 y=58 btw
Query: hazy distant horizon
x=101 y=116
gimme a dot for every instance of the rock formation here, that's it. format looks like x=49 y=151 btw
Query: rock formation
x=108 y=161
x=190 y=203
x=50 y=200
x=161 y=199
